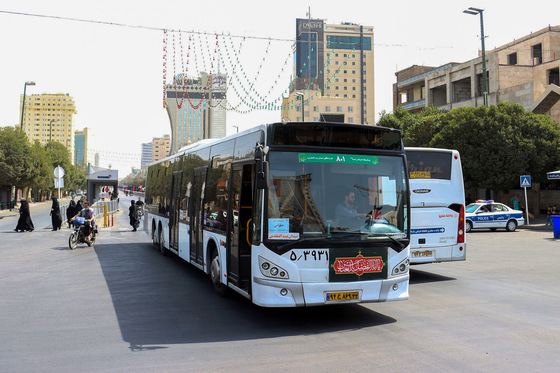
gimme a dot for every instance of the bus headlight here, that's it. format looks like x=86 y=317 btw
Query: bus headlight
x=269 y=269
x=400 y=268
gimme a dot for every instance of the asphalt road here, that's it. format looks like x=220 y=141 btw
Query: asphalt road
x=121 y=306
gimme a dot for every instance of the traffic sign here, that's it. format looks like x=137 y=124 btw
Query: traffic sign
x=59 y=172
x=525 y=181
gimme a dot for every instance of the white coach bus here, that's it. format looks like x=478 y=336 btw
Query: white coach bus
x=437 y=205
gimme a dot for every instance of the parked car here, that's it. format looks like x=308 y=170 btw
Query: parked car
x=492 y=215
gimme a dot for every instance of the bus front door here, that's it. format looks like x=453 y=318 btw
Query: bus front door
x=174 y=210
x=197 y=215
x=240 y=212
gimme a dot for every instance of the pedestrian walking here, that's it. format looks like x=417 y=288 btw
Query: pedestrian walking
x=79 y=206
x=133 y=215
x=24 y=221
x=55 y=215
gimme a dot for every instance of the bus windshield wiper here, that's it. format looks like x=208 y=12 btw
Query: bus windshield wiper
x=399 y=243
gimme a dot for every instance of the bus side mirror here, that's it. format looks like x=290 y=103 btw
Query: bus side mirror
x=262 y=175
x=262 y=167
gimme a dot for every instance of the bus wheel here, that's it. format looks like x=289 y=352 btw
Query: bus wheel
x=154 y=235
x=162 y=248
x=215 y=273
x=469 y=226
x=511 y=225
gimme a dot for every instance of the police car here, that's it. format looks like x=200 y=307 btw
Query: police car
x=492 y=215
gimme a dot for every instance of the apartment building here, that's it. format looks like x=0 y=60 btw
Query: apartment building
x=525 y=71
x=50 y=117
x=160 y=147
x=336 y=60
x=316 y=108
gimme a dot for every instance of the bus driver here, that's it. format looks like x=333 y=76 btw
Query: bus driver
x=346 y=213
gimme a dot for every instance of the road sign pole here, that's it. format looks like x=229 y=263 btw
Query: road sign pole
x=525 y=182
x=526 y=206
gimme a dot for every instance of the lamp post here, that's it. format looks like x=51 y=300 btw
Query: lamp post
x=474 y=12
x=50 y=128
x=23 y=105
x=301 y=95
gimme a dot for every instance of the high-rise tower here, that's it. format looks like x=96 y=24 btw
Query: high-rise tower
x=336 y=60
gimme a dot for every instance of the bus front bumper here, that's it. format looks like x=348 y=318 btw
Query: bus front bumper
x=270 y=293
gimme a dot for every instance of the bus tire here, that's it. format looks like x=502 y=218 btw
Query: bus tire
x=216 y=273
x=511 y=225
x=468 y=226
x=154 y=235
x=162 y=248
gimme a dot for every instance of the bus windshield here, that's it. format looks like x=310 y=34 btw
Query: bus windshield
x=336 y=196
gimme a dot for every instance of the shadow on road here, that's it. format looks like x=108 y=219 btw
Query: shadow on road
x=164 y=300
x=421 y=277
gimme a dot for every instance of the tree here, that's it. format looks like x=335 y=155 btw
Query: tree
x=417 y=129
x=497 y=144
x=58 y=156
x=16 y=164
x=42 y=173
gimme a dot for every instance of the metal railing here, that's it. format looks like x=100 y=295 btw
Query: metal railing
x=107 y=209
x=112 y=206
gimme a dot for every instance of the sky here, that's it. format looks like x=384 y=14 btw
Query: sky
x=113 y=67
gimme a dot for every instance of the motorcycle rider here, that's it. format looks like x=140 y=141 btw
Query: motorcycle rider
x=89 y=215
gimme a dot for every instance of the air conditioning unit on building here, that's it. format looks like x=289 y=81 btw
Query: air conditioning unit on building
x=537 y=61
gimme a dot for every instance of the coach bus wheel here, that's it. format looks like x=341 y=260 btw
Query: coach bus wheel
x=511 y=225
x=469 y=226
x=215 y=274
x=162 y=248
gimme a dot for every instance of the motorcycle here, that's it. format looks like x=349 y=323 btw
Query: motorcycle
x=79 y=236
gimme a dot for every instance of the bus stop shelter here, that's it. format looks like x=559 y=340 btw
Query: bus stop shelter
x=98 y=178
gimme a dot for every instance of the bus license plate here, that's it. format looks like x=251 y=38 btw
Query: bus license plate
x=348 y=295
x=422 y=254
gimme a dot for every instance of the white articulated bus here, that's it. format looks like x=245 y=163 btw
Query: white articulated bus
x=437 y=205
x=289 y=214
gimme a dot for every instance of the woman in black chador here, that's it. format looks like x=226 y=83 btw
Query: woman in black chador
x=24 y=222
x=79 y=206
x=71 y=211
x=55 y=215
x=133 y=214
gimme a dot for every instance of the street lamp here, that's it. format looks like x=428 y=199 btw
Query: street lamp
x=236 y=128
x=23 y=106
x=301 y=95
x=474 y=12
x=50 y=128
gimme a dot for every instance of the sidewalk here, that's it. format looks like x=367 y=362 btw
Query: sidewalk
x=32 y=205
x=538 y=223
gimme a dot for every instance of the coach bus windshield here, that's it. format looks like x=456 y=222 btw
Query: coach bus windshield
x=336 y=196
